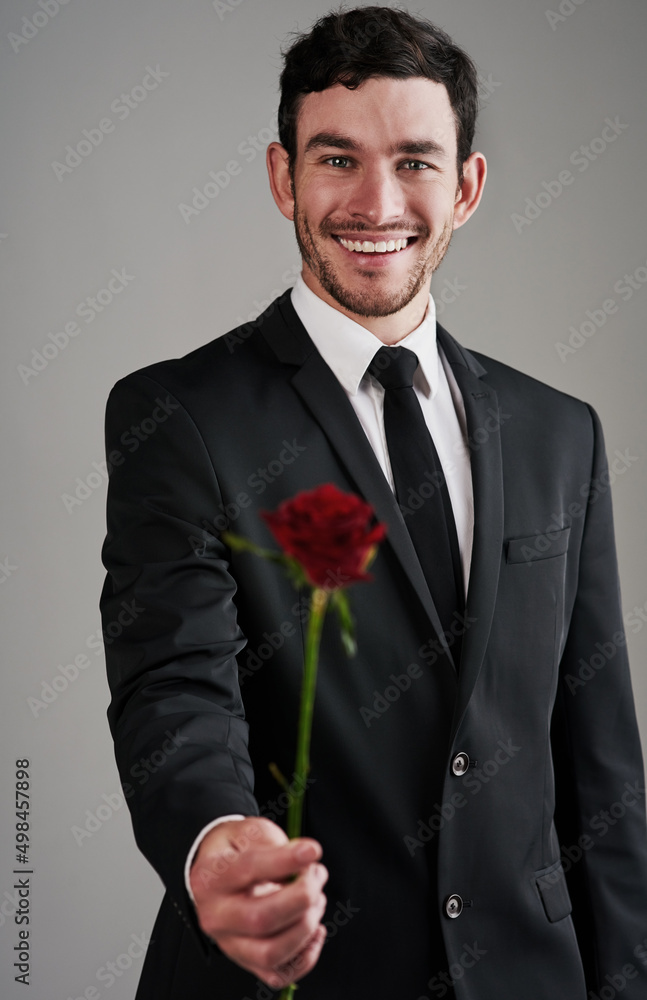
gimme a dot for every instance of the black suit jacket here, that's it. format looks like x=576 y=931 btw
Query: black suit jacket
x=540 y=707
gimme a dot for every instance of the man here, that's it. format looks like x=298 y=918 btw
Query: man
x=461 y=751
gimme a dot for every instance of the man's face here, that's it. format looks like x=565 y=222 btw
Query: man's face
x=375 y=165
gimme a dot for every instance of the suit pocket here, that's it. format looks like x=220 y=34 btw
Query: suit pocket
x=553 y=892
x=534 y=547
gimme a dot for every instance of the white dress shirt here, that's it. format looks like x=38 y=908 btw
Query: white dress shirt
x=348 y=349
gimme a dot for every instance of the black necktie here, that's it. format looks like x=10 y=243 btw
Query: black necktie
x=420 y=485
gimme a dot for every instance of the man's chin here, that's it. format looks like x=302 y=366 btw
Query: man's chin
x=371 y=309
x=369 y=303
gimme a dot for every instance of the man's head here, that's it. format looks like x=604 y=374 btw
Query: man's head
x=376 y=123
x=352 y=46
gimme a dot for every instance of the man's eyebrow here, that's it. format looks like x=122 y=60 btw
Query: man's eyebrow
x=410 y=147
x=419 y=147
x=325 y=140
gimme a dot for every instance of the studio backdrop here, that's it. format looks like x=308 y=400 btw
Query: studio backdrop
x=136 y=223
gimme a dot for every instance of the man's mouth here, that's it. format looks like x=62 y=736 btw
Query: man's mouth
x=379 y=246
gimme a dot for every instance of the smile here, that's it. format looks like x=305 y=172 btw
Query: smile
x=367 y=246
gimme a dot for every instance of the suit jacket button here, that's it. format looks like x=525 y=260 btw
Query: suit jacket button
x=453 y=906
x=460 y=764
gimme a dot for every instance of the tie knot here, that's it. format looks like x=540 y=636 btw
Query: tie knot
x=394 y=367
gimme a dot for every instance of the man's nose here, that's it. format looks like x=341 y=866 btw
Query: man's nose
x=377 y=197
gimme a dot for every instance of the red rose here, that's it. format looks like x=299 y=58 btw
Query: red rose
x=332 y=535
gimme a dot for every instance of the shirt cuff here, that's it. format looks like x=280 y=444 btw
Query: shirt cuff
x=195 y=845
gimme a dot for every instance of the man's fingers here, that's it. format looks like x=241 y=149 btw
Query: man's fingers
x=267 y=915
x=302 y=963
x=235 y=871
x=259 y=896
x=274 y=864
x=252 y=915
x=283 y=958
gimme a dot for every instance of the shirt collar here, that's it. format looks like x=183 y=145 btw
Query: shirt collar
x=348 y=348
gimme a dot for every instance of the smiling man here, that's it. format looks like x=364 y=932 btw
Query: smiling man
x=375 y=193
x=475 y=810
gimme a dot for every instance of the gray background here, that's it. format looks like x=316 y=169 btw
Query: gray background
x=547 y=90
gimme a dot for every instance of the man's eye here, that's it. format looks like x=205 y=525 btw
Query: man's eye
x=337 y=161
x=416 y=165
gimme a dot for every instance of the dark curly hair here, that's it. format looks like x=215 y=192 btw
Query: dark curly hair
x=351 y=46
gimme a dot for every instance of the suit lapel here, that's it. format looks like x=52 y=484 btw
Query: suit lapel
x=323 y=395
x=484 y=436
x=331 y=408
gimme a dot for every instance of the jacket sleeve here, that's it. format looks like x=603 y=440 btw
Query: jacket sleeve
x=170 y=633
x=600 y=810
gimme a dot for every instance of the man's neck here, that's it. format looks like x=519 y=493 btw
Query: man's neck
x=388 y=329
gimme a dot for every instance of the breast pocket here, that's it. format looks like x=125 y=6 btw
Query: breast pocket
x=529 y=618
x=532 y=548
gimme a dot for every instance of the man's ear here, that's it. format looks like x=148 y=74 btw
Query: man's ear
x=470 y=190
x=278 y=170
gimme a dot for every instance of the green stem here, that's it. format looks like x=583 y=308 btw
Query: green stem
x=308 y=687
x=318 y=610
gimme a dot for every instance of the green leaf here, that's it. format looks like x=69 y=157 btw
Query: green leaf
x=239 y=544
x=278 y=774
x=346 y=623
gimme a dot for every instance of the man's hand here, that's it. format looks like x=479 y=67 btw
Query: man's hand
x=246 y=902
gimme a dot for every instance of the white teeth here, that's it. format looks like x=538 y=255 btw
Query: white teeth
x=368 y=247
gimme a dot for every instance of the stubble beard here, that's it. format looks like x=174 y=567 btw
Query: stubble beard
x=370 y=302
